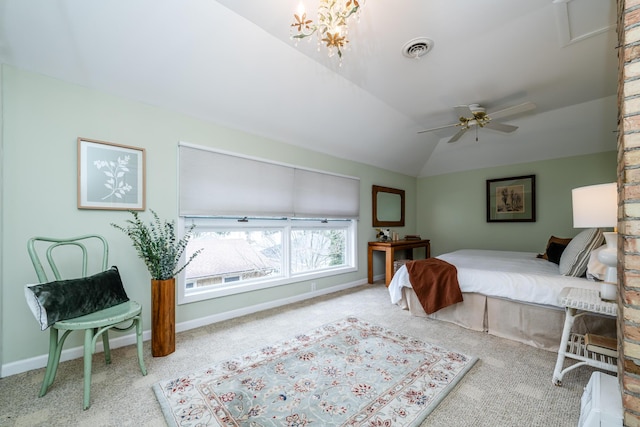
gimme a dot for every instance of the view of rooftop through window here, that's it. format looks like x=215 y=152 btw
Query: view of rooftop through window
x=240 y=255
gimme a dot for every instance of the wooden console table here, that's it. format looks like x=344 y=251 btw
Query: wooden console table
x=390 y=249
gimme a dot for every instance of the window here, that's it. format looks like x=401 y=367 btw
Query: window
x=239 y=256
x=280 y=242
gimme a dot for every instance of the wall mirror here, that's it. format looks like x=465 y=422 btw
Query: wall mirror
x=388 y=206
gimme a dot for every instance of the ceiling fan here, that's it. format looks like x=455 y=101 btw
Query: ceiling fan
x=474 y=115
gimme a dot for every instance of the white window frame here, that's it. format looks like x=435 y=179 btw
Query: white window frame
x=186 y=296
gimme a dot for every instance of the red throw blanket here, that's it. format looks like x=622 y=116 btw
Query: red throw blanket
x=435 y=282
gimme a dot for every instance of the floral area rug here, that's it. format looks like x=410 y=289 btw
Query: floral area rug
x=347 y=373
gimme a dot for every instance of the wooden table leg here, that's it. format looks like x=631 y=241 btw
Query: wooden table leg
x=388 y=274
x=370 y=265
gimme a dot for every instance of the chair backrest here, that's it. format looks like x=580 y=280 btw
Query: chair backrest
x=37 y=246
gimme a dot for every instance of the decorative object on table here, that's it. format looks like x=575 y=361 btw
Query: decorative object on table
x=596 y=206
x=511 y=199
x=110 y=176
x=331 y=26
x=349 y=372
x=412 y=237
x=157 y=244
x=383 y=234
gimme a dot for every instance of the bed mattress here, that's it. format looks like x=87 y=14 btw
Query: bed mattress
x=518 y=276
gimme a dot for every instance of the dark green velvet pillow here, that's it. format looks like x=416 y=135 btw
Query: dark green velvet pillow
x=66 y=299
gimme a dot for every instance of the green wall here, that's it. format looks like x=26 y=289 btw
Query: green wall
x=452 y=207
x=43 y=117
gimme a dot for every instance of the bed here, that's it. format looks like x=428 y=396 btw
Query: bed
x=512 y=295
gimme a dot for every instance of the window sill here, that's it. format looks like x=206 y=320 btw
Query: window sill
x=191 y=296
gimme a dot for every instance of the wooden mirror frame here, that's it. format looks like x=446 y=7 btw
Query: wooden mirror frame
x=374 y=197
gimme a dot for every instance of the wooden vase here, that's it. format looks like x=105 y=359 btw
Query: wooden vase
x=163 y=317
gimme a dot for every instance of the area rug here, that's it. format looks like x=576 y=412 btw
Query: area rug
x=346 y=373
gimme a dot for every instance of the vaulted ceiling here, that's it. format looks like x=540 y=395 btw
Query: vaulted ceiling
x=233 y=62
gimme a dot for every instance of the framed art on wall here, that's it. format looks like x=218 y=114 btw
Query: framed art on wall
x=110 y=176
x=511 y=199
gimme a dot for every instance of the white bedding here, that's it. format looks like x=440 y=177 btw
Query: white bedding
x=518 y=276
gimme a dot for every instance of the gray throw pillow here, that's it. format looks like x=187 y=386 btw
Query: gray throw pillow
x=575 y=257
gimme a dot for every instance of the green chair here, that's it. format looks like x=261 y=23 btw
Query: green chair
x=96 y=324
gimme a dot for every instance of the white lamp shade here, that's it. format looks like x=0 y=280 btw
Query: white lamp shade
x=595 y=206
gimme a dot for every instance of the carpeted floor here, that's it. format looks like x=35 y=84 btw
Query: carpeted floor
x=510 y=385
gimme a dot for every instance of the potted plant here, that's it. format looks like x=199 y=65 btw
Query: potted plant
x=157 y=244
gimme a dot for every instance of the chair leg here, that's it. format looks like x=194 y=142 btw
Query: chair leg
x=105 y=345
x=88 y=353
x=51 y=365
x=139 y=345
x=55 y=349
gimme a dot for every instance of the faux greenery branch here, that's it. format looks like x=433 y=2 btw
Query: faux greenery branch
x=157 y=245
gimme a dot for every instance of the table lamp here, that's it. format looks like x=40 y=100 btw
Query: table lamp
x=596 y=206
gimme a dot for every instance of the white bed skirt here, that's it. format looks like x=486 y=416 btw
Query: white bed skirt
x=535 y=325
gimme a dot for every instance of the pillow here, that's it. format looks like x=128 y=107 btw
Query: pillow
x=558 y=241
x=554 y=252
x=66 y=299
x=575 y=257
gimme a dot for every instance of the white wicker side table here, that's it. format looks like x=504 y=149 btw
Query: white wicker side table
x=579 y=302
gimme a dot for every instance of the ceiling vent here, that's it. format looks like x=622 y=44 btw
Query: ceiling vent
x=417 y=48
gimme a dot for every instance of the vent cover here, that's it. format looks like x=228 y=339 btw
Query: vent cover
x=417 y=48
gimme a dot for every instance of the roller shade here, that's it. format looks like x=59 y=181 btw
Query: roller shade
x=213 y=183
x=323 y=195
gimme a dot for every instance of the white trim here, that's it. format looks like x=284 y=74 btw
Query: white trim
x=38 y=362
x=214 y=318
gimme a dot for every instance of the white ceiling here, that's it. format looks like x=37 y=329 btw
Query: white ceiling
x=232 y=62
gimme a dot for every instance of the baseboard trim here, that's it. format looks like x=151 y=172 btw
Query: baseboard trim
x=40 y=361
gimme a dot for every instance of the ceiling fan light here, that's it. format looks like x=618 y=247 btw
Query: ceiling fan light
x=476 y=108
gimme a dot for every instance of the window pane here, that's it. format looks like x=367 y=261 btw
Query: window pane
x=247 y=254
x=317 y=249
x=233 y=256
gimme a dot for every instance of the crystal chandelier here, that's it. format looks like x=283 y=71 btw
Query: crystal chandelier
x=331 y=26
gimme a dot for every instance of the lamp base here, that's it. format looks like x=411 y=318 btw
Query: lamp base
x=609 y=257
x=608 y=291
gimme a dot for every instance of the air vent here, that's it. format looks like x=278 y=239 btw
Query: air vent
x=417 y=48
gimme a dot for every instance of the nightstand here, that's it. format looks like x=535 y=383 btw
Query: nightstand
x=580 y=302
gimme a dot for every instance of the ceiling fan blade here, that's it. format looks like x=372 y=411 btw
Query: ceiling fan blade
x=500 y=127
x=510 y=111
x=439 y=127
x=458 y=135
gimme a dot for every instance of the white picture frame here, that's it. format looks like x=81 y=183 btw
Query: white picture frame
x=110 y=176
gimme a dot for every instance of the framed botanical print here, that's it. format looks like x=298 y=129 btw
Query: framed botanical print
x=110 y=176
x=511 y=199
